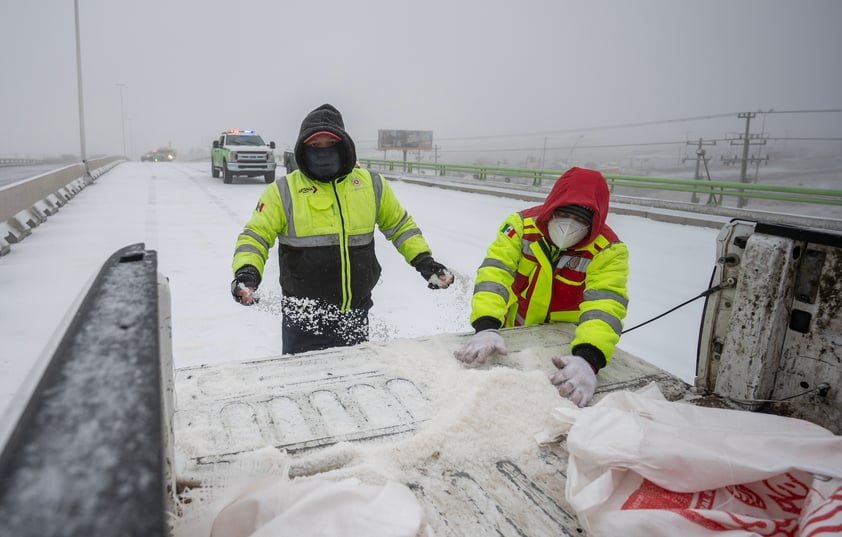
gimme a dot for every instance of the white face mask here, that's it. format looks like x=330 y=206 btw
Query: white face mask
x=565 y=232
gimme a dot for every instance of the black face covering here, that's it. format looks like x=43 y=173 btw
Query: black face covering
x=323 y=163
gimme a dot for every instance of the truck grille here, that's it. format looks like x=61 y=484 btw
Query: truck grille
x=251 y=157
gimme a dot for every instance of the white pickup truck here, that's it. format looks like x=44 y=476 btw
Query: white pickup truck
x=242 y=153
x=462 y=438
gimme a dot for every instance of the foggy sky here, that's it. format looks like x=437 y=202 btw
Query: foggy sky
x=465 y=69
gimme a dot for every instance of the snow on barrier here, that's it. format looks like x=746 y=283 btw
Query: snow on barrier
x=26 y=204
x=86 y=448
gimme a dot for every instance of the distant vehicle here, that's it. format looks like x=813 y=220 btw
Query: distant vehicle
x=242 y=152
x=163 y=154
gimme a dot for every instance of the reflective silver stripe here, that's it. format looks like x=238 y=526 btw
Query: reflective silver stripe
x=494 y=288
x=496 y=263
x=377 y=183
x=286 y=203
x=597 y=294
x=317 y=240
x=391 y=231
x=519 y=320
x=360 y=240
x=325 y=240
x=597 y=315
x=405 y=235
x=255 y=236
x=248 y=248
x=525 y=249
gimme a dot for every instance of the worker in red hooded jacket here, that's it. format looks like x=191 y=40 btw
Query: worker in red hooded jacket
x=556 y=262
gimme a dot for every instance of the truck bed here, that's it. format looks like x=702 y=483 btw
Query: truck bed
x=461 y=438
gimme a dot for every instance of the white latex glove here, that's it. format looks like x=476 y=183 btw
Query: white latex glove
x=575 y=379
x=481 y=346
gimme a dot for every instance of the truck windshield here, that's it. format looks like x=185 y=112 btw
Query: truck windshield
x=242 y=139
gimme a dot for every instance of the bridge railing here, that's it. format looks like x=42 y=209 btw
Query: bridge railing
x=19 y=161
x=712 y=192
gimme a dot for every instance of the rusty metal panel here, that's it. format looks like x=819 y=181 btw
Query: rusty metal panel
x=773 y=342
x=730 y=245
x=754 y=335
x=811 y=358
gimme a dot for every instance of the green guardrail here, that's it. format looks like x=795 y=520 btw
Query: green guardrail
x=714 y=190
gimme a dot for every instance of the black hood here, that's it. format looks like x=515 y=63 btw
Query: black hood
x=326 y=118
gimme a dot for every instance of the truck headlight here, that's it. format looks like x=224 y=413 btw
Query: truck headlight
x=233 y=156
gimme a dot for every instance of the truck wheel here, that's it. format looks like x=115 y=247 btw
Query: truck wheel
x=226 y=174
x=214 y=171
x=269 y=177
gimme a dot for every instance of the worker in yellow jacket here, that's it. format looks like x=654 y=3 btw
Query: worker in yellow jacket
x=556 y=262
x=323 y=216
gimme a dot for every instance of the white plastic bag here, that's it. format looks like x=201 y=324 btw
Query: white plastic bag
x=641 y=466
x=316 y=507
x=275 y=506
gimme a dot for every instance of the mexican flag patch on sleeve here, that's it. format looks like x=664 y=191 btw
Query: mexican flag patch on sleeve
x=508 y=230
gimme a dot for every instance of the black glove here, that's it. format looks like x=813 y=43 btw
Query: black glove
x=436 y=274
x=244 y=284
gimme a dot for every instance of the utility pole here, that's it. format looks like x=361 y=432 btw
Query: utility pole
x=123 y=117
x=747 y=139
x=570 y=153
x=543 y=154
x=700 y=157
x=83 y=155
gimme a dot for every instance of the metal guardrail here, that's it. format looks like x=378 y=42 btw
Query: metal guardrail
x=19 y=161
x=715 y=191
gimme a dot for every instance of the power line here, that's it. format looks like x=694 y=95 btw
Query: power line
x=806 y=139
x=612 y=146
x=817 y=111
x=362 y=143
x=587 y=129
x=561 y=148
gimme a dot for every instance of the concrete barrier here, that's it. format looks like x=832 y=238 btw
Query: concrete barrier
x=27 y=204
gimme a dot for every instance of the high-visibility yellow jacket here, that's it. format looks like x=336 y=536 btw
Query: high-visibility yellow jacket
x=325 y=234
x=526 y=280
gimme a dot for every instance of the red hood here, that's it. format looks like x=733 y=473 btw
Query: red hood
x=578 y=186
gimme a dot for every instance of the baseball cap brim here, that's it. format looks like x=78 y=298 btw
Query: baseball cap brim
x=335 y=137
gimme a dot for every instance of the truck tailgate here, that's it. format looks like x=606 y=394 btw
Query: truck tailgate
x=462 y=438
